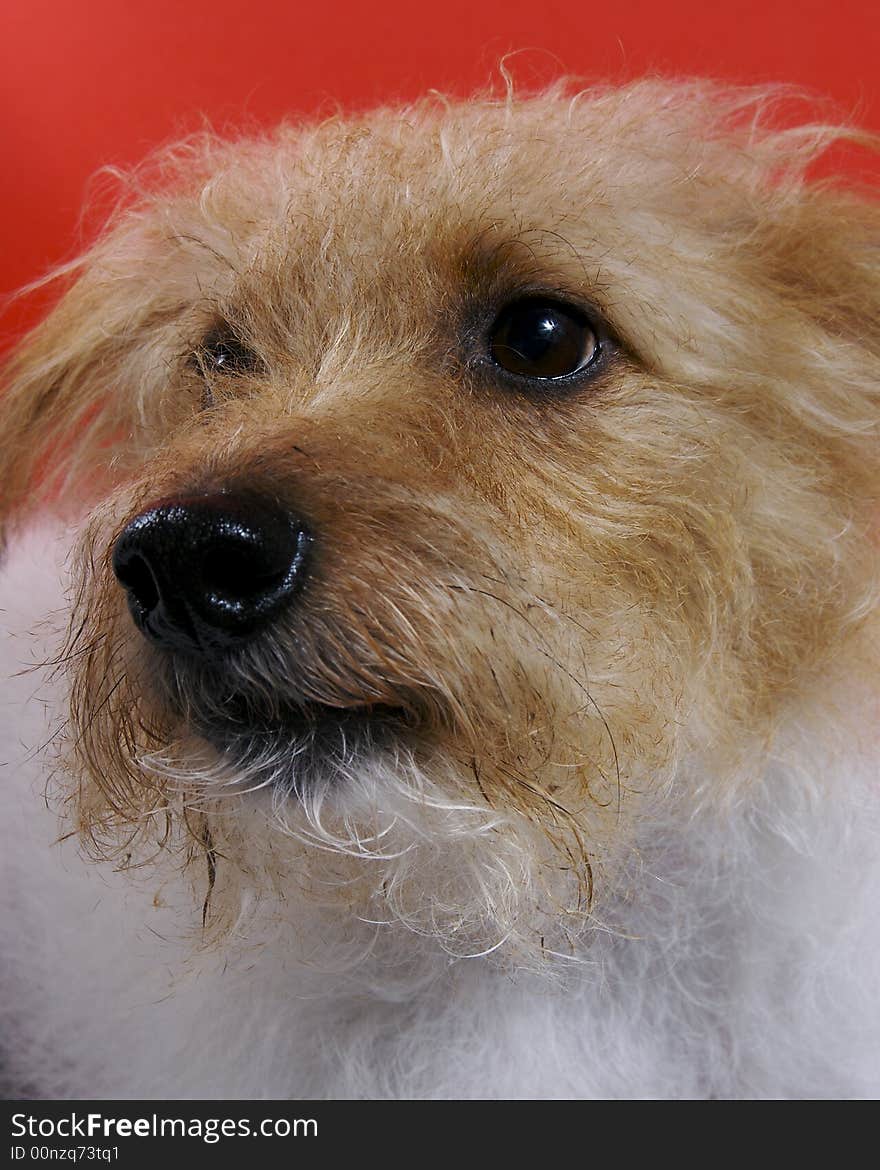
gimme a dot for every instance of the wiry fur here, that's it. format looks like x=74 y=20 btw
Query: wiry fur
x=622 y=840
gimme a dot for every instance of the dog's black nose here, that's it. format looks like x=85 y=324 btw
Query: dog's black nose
x=205 y=573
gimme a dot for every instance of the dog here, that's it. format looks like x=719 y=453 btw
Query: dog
x=440 y=596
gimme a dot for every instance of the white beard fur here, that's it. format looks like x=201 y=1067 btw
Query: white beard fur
x=747 y=964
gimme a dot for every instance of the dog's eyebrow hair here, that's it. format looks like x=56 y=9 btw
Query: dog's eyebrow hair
x=481 y=249
x=569 y=247
x=186 y=238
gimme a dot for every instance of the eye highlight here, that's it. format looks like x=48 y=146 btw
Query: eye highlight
x=223 y=352
x=542 y=338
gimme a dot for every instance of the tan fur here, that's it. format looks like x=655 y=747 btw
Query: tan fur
x=569 y=595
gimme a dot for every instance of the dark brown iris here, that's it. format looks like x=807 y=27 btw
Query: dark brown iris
x=537 y=337
x=223 y=352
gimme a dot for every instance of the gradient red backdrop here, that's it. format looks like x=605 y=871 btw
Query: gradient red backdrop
x=90 y=82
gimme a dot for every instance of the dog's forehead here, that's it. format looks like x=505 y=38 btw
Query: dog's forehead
x=400 y=209
x=381 y=226
x=453 y=183
x=399 y=171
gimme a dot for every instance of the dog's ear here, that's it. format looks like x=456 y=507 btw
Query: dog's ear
x=825 y=252
x=54 y=399
x=78 y=396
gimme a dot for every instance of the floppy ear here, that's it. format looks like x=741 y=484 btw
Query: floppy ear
x=827 y=256
x=78 y=397
x=54 y=401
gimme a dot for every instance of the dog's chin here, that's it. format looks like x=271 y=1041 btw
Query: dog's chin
x=306 y=746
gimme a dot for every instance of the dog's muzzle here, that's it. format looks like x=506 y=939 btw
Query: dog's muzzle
x=207 y=573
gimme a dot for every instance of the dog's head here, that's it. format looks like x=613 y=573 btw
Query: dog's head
x=454 y=476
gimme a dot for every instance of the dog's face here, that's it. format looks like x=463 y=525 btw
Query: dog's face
x=455 y=477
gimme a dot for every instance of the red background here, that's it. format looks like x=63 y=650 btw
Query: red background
x=90 y=82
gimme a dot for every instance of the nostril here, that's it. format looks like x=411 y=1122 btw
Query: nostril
x=136 y=576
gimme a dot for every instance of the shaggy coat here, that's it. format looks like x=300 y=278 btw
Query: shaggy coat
x=560 y=775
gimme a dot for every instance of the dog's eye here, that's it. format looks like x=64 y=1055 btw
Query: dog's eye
x=223 y=352
x=537 y=337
